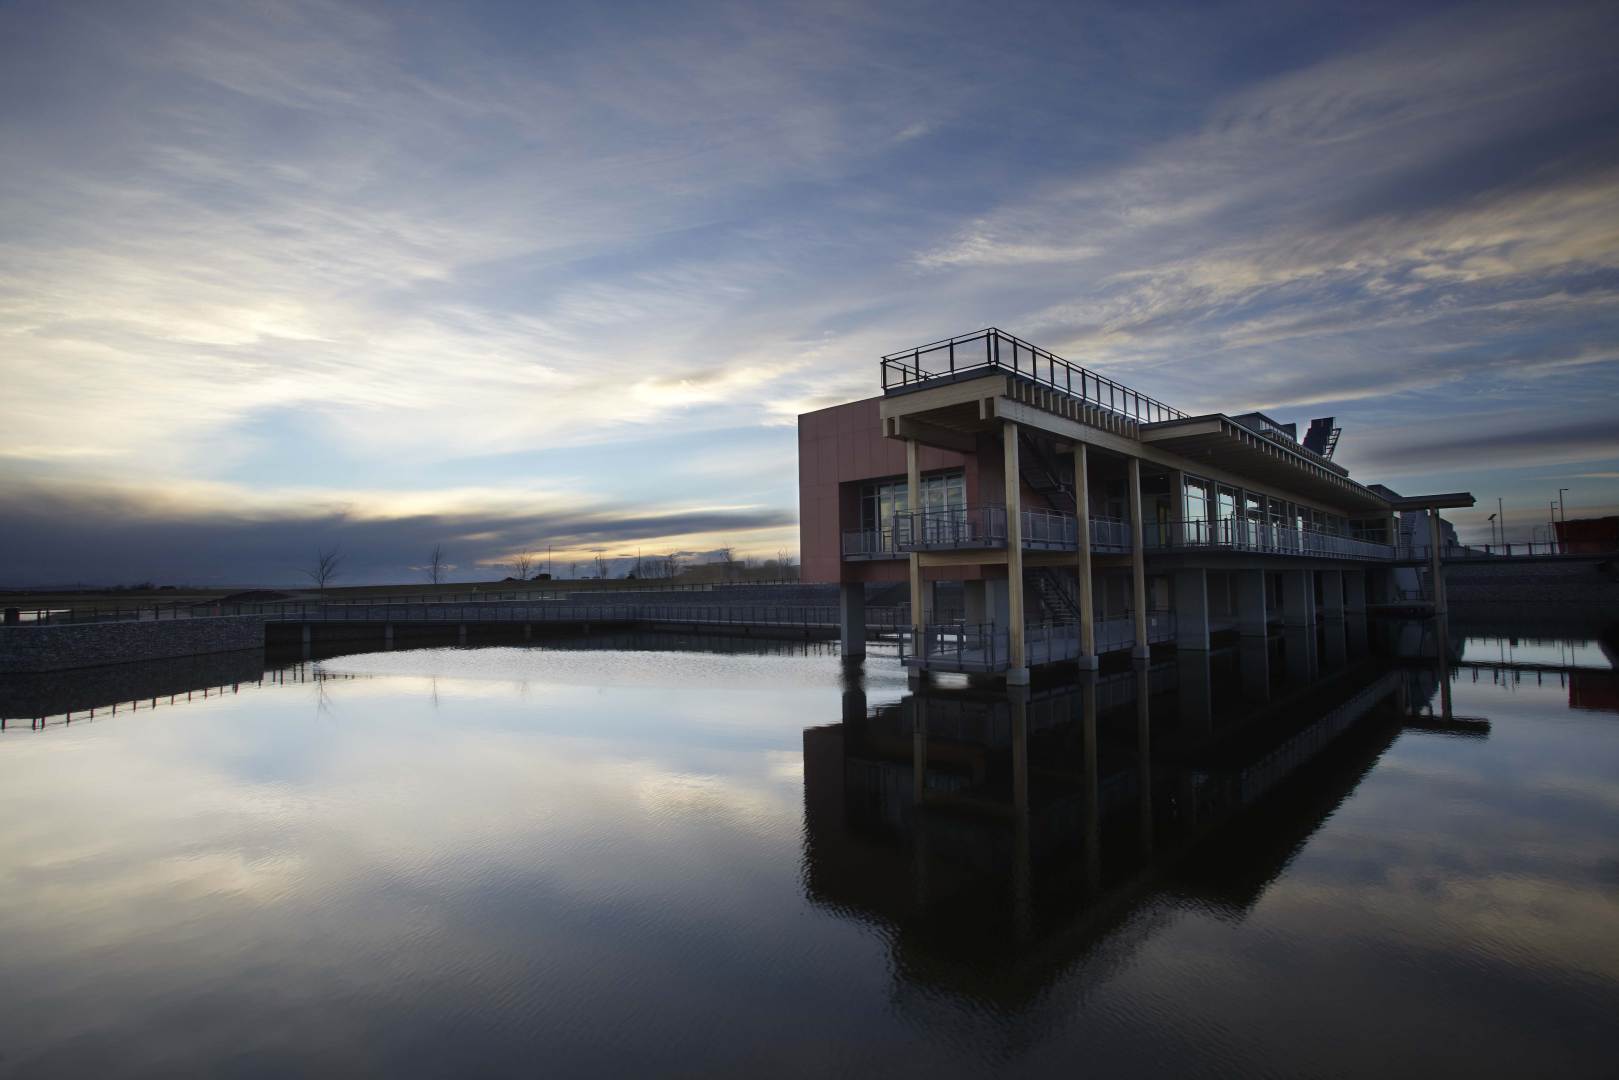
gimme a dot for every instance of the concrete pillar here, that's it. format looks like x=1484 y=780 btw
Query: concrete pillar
x=388 y=635
x=1251 y=619
x=528 y=631
x=1138 y=562
x=1018 y=672
x=1082 y=563
x=1298 y=598
x=1332 y=594
x=1436 y=566
x=1192 y=609
x=1354 y=592
x=461 y=633
x=852 y=618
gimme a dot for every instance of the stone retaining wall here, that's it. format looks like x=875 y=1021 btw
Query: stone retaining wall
x=54 y=648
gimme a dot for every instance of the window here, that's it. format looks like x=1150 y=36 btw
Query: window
x=881 y=500
x=1229 y=499
x=1196 y=510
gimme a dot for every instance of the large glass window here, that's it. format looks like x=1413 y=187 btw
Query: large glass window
x=1196 y=510
x=881 y=500
x=1226 y=513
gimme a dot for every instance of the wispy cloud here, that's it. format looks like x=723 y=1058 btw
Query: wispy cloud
x=322 y=242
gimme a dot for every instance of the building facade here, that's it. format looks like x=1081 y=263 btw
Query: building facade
x=1039 y=513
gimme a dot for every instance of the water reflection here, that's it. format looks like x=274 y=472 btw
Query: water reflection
x=1000 y=836
x=629 y=854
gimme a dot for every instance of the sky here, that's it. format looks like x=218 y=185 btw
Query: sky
x=518 y=276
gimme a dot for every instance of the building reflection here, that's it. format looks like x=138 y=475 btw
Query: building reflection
x=1000 y=837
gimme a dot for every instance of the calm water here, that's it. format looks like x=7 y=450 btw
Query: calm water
x=1293 y=861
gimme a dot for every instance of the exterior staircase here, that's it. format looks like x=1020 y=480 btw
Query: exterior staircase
x=1042 y=473
x=1056 y=598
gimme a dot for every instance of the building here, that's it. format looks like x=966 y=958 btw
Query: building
x=1588 y=536
x=1065 y=515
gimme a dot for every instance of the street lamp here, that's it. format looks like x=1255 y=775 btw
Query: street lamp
x=1561 y=512
x=1493 y=540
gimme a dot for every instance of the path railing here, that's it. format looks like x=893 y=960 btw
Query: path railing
x=500 y=611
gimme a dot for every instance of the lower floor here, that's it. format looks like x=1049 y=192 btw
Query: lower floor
x=969 y=623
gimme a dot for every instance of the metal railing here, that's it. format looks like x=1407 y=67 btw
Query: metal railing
x=1110 y=535
x=1236 y=534
x=986 y=647
x=506 y=611
x=993 y=348
x=869 y=544
x=981 y=527
x=959 y=527
x=1526 y=549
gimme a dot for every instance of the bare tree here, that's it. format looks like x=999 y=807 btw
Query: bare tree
x=601 y=564
x=522 y=566
x=436 y=567
x=573 y=570
x=325 y=567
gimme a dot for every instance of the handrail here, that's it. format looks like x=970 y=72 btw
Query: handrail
x=1239 y=534
x=951 y=357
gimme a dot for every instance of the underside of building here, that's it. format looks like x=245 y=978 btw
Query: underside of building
x=1042 y=513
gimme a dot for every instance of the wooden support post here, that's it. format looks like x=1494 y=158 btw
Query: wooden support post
x=1138 y=562
x=1082 y=565
x=1436 y=564
x=1018 y=671
x=913 y=506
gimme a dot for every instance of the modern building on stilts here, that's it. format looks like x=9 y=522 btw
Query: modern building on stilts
x=1042 y=513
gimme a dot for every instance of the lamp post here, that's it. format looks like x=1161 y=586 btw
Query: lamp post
x=1493 y=542
x=1561 y=512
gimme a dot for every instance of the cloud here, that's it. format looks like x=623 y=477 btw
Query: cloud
x=214 y=534
x=348 y=248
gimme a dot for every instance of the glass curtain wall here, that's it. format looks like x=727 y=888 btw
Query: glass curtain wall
x=943 y=494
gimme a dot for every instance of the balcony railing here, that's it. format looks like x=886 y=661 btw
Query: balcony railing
x=1110 y=535
x=976 y=527
x=1236 y=534
x=994 y=348
x=981 y=527
x=984 y=647
x=870 y=544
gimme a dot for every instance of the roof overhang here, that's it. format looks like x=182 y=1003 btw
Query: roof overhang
x=1230 y=446
x=1451 y=500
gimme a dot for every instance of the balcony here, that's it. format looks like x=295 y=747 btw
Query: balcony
x=982 y=528
x=984 y=647
x=1235 y=534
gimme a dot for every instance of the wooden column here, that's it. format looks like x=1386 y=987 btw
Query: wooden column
x=913 y=504
x=1138 y=561
x=1082 y=565
x=1436 y=565
x=1018 y=672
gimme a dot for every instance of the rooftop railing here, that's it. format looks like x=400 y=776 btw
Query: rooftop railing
x=992 y=348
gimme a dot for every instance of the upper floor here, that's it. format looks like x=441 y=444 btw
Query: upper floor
x=1210 y=482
